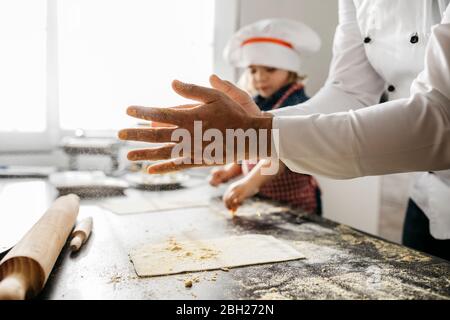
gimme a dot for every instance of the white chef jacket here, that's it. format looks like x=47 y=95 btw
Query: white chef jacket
x=401 y=46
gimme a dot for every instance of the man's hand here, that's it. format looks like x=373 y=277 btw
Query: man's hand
x=217 y=110
x=237 y=95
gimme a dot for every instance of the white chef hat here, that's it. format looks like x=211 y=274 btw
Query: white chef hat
x=277 y=43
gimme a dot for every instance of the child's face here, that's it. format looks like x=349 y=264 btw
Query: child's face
x=267 y=80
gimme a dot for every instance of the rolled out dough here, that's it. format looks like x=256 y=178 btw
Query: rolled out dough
x=250 y=208
x=133 y=205
x=174 y=256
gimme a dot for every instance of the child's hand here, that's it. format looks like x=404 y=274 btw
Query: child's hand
x=237 y=192
x=218 y=176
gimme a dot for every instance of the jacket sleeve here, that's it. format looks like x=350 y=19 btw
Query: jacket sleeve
x=352 y=82
x=403 y=135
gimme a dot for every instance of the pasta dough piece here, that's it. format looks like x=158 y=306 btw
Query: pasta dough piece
x=175 y=256
x=133 y=205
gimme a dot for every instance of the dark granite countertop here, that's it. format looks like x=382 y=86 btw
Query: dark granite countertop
x=341 y=263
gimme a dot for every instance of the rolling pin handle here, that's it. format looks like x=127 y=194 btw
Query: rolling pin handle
x=81 y=234
x=12 y=288
x=76 y=243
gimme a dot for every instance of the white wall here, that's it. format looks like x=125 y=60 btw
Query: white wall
x=227 y=22
x=353 y=202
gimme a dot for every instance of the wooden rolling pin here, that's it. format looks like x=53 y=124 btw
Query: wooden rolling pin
x=81 y=234
x=25 y=269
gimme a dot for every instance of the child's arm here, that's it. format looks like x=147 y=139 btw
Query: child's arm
x=256 y=178
x=222 y=175
x=249 y=185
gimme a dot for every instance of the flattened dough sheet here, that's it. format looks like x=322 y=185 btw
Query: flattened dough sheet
x=174 y=256
x=132 y=205
x=250 y=208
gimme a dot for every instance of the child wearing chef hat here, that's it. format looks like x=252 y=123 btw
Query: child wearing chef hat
x=272 y=52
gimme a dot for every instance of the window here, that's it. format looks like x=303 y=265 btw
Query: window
x=115 y=53
x=79 y=63
x=23 y=70
x=22 y=65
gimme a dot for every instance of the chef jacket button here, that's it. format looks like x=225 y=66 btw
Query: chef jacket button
x=391 y=88
x=367 y=40
x=414 y=38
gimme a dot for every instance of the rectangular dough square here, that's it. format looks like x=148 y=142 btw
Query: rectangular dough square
x=175 y=256
x=134 y=205
x=250 y=208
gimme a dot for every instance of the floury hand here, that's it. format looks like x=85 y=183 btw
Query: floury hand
x=224 y=128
